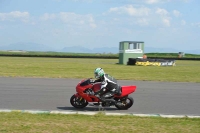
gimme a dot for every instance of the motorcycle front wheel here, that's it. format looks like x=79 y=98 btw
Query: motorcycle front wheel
x=78 y=102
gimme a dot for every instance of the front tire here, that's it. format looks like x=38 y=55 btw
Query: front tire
x=78 y=102
x=126 y=103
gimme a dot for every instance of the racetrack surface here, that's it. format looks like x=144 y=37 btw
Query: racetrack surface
x=54 y=94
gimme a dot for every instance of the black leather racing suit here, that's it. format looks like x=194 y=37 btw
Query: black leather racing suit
x=109 y=87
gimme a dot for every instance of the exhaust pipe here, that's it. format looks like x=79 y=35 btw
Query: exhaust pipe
x=108 y=100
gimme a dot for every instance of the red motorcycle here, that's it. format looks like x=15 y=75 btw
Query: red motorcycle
x=85 y=94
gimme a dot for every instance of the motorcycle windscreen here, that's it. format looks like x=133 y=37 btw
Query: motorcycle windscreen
x=86 y=82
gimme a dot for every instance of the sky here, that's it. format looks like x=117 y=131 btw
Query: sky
x=101 y=23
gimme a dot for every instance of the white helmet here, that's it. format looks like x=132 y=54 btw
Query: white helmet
x=98 y=73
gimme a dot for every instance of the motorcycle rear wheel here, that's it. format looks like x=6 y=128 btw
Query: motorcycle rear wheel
x=78 y=102
x=126 y=105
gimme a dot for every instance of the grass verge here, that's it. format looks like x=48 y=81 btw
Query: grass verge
x=185 y=71
x=56 y=123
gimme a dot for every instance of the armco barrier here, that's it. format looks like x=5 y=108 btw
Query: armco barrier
x=151 y=62
x=172 y=58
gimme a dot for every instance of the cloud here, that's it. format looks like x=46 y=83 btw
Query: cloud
x=71 y=18
x=57 y=0
x=131 y=10
x=185 y=0
x=146 y=2
x=152 y=1
x=47 y=16
x=183 y=22
x=143 y=21
x=162 y=1
x=166 y=21
x=83 y=0
x=143 y=16
x=15 y=15
x=176 y=13
x=131 y=1
x=162 y=12
x=92 y=22
x=196 y=24
x=93 y=25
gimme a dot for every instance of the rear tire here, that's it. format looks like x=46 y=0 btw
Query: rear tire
x=125 y=105
x=78 y=102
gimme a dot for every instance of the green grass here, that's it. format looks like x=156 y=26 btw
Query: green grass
x=184 y=71
x=55 y=123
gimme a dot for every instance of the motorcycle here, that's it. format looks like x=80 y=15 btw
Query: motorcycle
x=85 y=90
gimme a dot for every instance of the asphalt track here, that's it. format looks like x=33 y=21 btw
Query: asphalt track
x=54 y=94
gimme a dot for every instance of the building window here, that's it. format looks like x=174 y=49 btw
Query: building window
x=139 y=46
x=131 y=46
x=121 y=47
x=135 y=46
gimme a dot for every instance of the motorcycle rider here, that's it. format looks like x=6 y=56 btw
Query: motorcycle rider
x=108 y=84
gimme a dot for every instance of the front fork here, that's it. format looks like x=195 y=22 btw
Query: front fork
x=79 y=98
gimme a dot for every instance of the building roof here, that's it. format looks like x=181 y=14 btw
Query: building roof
x=133 y=41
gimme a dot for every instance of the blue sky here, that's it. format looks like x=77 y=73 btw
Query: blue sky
x=98 y=23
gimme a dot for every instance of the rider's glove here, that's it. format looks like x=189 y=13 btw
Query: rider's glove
x=91 y=81
x=97 y=95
